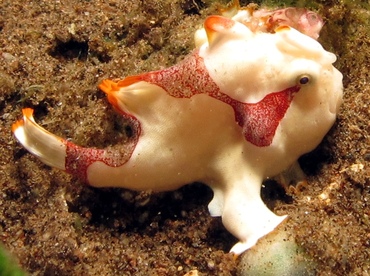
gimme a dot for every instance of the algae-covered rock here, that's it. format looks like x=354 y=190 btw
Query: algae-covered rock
x=276 y=254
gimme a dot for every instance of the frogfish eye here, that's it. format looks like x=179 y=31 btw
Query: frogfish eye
x=304 y=79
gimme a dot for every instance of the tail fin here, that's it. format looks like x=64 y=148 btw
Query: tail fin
x=48 y=147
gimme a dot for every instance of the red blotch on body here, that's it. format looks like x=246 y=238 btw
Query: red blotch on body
x=78 y=159
x=258 y=121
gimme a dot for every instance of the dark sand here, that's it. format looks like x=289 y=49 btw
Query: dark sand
x=53 y=54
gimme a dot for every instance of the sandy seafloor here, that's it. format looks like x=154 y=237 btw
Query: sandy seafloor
x=53 y=54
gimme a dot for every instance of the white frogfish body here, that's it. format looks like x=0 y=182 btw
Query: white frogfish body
x=241 y=107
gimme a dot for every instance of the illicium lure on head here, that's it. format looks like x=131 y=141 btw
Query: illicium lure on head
x=241 y=107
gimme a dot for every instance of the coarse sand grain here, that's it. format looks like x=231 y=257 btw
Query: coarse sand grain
x=53 y=54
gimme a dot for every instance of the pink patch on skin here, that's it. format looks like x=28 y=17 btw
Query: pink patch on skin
x=301 y=19
x=78 y=159
x=259 y=121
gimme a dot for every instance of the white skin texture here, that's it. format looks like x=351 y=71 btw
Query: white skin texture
x=187 y=139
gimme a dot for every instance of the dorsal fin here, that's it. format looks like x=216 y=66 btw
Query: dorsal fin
x=231 y=9
x=216 y=25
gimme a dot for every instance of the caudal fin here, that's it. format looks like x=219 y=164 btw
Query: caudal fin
x=48 y=147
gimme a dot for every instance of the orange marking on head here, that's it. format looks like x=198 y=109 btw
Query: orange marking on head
x=215 y=24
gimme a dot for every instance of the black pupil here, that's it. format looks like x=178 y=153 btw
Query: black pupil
x=304 y=80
